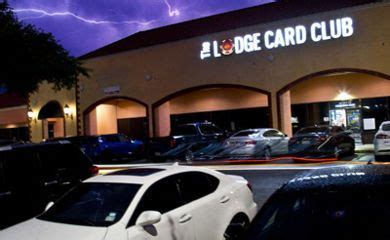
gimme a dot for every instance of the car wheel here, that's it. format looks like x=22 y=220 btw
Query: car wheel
x=267 y=153
x=237 y=227
x=189 y=156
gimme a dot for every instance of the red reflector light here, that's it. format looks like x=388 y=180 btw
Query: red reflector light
x=94 y=170
x=251 y=142
x=173 y=143
x=382 y=136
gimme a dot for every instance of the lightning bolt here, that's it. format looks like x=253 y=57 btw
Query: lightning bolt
x=171 y=12
x=43 y=13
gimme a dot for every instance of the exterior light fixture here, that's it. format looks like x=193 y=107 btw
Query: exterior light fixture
x=343 y=96
x=68 y=111
x=31 y=115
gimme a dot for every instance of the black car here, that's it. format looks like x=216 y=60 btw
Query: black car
x=322 y=141
x=349 y=202
x=184 y=140
x=33 y=175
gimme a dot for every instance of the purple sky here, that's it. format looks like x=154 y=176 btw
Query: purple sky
x=84 y=25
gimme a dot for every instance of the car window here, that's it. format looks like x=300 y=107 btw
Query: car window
x=163 y=196
x=195 y=185
x=184 y=130
x=112 y=138
x=93 y=204
x=313 y=130
x=247 y=133
x=386 y=127
x=209 y=129
x=273 y=133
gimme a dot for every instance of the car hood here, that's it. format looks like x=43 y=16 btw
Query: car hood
x=36 y=229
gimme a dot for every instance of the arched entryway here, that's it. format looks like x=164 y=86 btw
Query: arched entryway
x=353 y=98
x=53 y=120
x=117 y=114
x=230 y=107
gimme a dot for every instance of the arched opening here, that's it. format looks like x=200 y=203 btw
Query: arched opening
x=355 y=99
x=117 y=115
x=230 y=107
x=53 y=120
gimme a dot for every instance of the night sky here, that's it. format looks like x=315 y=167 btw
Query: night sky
x=84 y=25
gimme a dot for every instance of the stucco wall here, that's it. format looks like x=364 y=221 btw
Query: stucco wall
x=328 y=88
x=150 y=74
x=217 y=100
x=44 y=95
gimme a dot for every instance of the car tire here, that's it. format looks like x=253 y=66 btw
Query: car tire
x=189 y=156
x=237 y=227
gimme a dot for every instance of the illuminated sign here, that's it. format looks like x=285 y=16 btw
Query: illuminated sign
x=279 y=38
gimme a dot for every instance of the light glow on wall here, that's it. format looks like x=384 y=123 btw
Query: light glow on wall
x=343 y=96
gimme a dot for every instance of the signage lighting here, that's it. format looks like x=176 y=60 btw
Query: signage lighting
x=279 y=38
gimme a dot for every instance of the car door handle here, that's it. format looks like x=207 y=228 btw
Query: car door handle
x=65 y=183
x=48 y=184
x=224 y=199
x=185 y=218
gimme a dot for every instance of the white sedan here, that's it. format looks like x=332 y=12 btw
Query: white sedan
x=259 y=141
x=173 y=202
x=382 y=141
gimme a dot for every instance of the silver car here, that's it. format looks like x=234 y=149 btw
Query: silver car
x=265 y=142
x=382 y=140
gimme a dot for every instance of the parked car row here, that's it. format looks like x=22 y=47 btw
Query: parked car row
x=265 y=143
x=109 y=148
x=175 y=202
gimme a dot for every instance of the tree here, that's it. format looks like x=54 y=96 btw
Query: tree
x=29 y=56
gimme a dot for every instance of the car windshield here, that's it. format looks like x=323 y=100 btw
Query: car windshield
x=359 y=214
x=209 y=129
x=92 y=204
x=184 y=130
x=313 y=130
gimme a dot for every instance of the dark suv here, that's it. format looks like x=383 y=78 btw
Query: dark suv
x=33 y=175
x=349 y=202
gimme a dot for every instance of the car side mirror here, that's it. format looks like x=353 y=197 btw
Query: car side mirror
x=148 y=218
x=49 y=205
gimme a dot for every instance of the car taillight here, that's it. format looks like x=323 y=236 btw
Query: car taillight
x=173 y=143
x=94 y=170
x=322 y=139
x=250 y=186
x=382 y=136
x=252 y=142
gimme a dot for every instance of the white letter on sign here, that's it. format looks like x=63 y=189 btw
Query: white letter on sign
x=347 y=24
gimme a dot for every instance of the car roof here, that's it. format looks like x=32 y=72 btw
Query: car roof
x=145 y=175
x=35 y=145
x=342 y=177
x=261 y=130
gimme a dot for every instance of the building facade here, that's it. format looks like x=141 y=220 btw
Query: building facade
x=277 y=65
